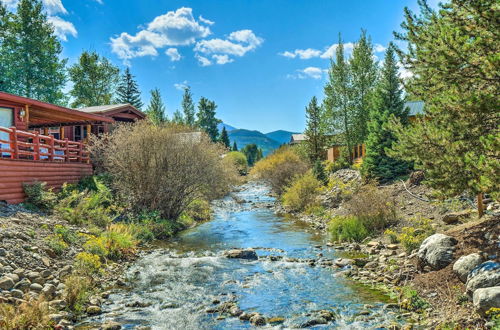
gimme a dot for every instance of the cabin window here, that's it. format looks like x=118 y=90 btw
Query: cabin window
x=6 y=120
x=78 y=133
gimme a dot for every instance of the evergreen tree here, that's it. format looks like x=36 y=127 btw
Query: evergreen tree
x=224 y=138
x=315 y=130
x=128 y=90
x=30 y=63
x=156 y=108
x=387 y=103
x=253 y=153
x=453 y=55
x=94 y=80
x=319 y=172
x=364 y=71
x=340 y=115
x=178 y=118
x=188 y=107
x=206 y=118
x=235 y=146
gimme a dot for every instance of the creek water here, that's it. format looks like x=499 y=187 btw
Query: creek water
x=176 y=283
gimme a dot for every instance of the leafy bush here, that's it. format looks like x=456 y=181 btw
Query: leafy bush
x=412 y=237
x=199 y=210
x=239 y=160
x=301 y=193
x=39 y=196
x=33 y=314
x=56 y=243
x=410 y=300
x=280 y=168
x=349 y=228
x=78 y=289
x=115 y=243
x=67 y=235
x=148 y=226
x=163 y=168
x=87 y=263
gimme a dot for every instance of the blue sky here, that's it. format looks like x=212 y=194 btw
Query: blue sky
x=260 y=60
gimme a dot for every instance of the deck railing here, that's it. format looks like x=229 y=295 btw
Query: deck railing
x=34 y=146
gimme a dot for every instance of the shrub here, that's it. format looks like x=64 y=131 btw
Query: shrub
x=301 y=193
x=239 y=160
x=412 y=237
x=410 y=300
x=39 y=196
x=33 y=314
x=280 y=168
x=115 y=243
x=163 y=167
x=319 y=172
x=66 y=234
x=78 y=289
x=349 y=228
x=56 y=243
x=199 y=210
x=150 y=225
x=87 y=263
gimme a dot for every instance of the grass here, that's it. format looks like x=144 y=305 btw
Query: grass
x=347 y=228
x=78 y=289
x=33 y=314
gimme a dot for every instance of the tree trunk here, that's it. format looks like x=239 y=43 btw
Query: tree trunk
x=480 y=205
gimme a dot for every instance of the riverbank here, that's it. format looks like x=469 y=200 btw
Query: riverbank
x=390 y=261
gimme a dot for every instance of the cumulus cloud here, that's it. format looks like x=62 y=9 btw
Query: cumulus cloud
x=203 y=61
x=206 y=21
x=62 y=28
x=309 y=72
x=175 y=28
x=404 y=73
x=303 y=54
x=328 y=52
x=173 y=53
x=182 y=85
x=238 y=44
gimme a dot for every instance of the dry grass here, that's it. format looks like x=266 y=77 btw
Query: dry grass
x=33 y=314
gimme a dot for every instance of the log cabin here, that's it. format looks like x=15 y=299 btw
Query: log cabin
x=34 y=145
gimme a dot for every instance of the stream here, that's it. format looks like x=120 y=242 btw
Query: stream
x=173 y=286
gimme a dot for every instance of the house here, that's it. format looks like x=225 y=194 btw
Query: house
x=34 y=145
x=298 y=138
x=416 y=108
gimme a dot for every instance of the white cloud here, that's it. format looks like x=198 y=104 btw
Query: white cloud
x=10 y=4
x=303 y=54
x=328 y=52
x=175 y=28
x=181 y=86
x=238 y=43
x=203 y=61
x=404 y=73
x=206 y=21
x=173 y=53
x=62 y=28
x=378 y=48
x=54 y=7
x=101 y=2
x=309 y=72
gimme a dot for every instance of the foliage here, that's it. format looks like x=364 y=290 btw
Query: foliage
x=188 y=107
x=206 y=118
x=199 y=210
x=87 y=263
x=94 y=80
x=128 y=90
x=77 y=291
x=115 y=243
x=410 y=300
x=39 y=196
x=239 y=160
x=453 y=55
x=156 y=108
x=164 y=168
x=411 y=237
x=340 y=163
x=302 y=192
x=235 y=146
x=280 y=168
x=319 y=172
x=30 y=54
x=315 y=130
x=56 y=243
x=252 y=153
x=33 y=314
x=347 y=228
x=67 y=235
x=178 y=118
x=224 y=138
x=387 y=103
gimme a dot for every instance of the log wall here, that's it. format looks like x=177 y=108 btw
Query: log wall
x=13 y=173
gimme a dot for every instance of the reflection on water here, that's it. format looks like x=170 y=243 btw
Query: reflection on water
x=178 y=282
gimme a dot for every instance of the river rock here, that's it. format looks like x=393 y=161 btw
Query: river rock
x=248 y=254
x=437 y=251
x=258 y=320
x=93 y=310
x=455 y=217
x=313 y=322
x=341 y=262
x=483 y=276
x=35 y=287
x=486 y=298
x=111 y=325
x=6 y=283
x=23 y=285
x=465 y=264
x=49 y=291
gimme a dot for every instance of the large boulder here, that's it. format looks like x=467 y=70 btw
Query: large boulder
x=241 y=254
x=6 y=283
x=465 y=264
x=486 y=298
x=485 y=275
x=437 y=251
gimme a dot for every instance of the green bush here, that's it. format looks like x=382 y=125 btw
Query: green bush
x=239 y=160
x=301 y=193
x=39 y=196
x=150 y=225
x=78 y=289
x=199 y=210
x=349 y=228
x=56 y=243
x=319 y=172
x=68 y=235
x=115 y=243
x=87 y=263
x=411 y=237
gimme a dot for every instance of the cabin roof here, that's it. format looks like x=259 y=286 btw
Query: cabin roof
x=416 y=107
x=111 y=109
x=42 y=114
x=298 y=137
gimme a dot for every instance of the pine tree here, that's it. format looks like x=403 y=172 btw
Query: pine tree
x=128 y=90
x=253 y=153
x=156 y=108
x=453 y=55
x=235 y=146
x=206 y=118
x=315 y=130
x=224 y=138
x=188 y=107
x=30 y=63
x=94 y=80
x=319 y=172
x=178 y=118
x=340 y=116
x=388 y=103
x=364 y=70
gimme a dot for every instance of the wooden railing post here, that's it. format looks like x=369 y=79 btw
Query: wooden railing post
x=13 y=144
x=80 y=152
x=36 y=147
x=51 y=152
x=66 y=158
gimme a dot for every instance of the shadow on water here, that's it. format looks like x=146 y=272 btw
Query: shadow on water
x=181 y=279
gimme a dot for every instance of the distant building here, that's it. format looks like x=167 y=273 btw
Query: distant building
x=298 y=138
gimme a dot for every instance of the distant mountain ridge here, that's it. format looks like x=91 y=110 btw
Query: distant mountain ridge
x=281 y=136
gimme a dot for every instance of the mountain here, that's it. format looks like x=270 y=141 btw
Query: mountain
x=228 y=127
x=281 y=136
x=242 y=137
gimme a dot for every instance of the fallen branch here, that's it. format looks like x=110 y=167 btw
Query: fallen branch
x=413 y=195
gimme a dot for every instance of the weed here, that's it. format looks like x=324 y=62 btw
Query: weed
x=66 y=234
x=87 y=263
x=349 y=228
x=33 y=314
x=410 y=300
x=56 y=243
x=412 y=237
x=39 y=196
x=78 y=289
